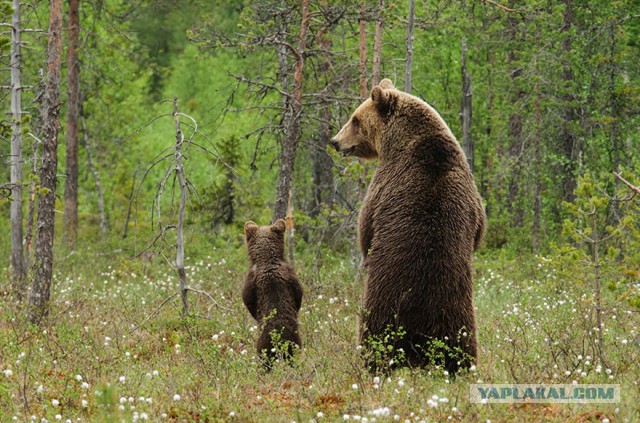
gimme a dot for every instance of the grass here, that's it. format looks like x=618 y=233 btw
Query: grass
x=93 y=363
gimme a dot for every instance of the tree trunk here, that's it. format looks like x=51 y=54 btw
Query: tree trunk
x=362 y=63
x=28 y=238
x=182 y=274
x=568 y=139
x=516 y=141
x=104 y=220
x=43 y=260
x=377 y=46
x=537 y=167
x=468 y=143
x=292 y=122
x=71 y=181
x=322 y=163
x=17 y=253
x=409 y=56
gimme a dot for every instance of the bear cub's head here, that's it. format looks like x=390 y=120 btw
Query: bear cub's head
x=265 y=243
x=361 y=135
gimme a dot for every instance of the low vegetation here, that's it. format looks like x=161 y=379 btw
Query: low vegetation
x=116 y=350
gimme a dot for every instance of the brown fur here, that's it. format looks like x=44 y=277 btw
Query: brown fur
x=272 y=291
x=419 y=225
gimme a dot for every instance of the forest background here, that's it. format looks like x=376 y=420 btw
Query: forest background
x=544 y=96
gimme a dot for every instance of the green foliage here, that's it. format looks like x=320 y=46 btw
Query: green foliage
x=538 y=128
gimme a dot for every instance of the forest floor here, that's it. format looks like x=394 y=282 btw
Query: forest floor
x=111 y=352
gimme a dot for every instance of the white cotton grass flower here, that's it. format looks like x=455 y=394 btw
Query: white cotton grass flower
x=176 y=397
x=381 y=412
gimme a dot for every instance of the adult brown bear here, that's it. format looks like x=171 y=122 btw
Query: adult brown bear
x=419 y=225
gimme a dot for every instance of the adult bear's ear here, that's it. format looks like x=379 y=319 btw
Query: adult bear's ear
x=278 y=226
x=381 y=99
x=250 y=229
x=387 y=84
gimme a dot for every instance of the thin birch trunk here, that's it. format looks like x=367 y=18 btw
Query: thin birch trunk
x=17 y=253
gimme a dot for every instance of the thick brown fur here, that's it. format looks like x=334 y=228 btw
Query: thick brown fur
x=272 y=291
x=419 y=225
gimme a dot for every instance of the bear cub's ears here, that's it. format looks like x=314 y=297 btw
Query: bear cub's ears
x=250 y=229
x=278 y=226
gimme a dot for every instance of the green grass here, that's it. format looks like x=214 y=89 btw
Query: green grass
x=536 y=325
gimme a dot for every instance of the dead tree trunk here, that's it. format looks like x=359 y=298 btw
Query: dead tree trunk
x=182 y=274
x=43 y=260
x=71 y=182
x=466 y=108
x=377 y=46
x=17 y=253
x=292 y=122
x=409 y=56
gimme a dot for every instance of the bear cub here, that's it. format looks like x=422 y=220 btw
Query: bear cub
x=272 y=292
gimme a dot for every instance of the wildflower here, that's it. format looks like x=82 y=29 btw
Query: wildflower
x=8 y=372
x=354 y=386
x=55 y=402
x=176 y=397
x=84 y=385
x=85 y=404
